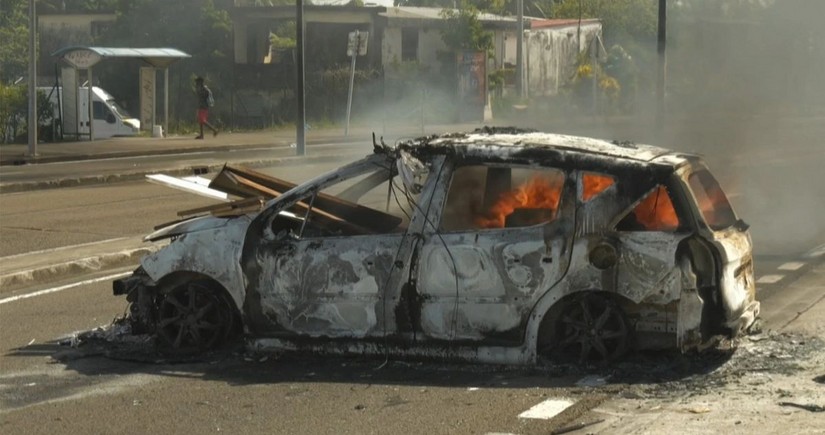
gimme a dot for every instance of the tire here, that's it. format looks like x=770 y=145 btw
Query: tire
x=587 y=328
x=194 y=317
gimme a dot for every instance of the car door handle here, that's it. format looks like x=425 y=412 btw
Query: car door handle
x=546 y=260
x=399 y=264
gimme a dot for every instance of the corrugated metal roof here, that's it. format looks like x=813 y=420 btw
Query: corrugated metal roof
x=540 y=23
x=422 y=13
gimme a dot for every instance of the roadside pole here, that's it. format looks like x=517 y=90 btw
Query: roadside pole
x=353 y=55
x=32 y=80
x=520 y=49
x=356 y=46
x=300 y=140
x=661 y=75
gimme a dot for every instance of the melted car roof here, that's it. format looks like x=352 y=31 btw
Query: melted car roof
x=482 y=142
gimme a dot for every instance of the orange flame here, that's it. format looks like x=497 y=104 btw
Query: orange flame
x=595 y=184
x=656 y=212
x=537 y=193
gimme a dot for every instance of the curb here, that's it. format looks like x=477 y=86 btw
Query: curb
x=83 y=265
x=17 y=160
x=139 y=175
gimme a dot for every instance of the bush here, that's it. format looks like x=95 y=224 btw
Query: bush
x=14 y=107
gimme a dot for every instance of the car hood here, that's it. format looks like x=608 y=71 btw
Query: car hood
x=187 y=226
x=132 y=122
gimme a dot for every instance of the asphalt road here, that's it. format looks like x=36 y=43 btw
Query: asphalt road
x=69 y=173
x=44 y=219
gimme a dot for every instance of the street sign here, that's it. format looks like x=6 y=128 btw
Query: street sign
x=357 y=42
x=82 y=59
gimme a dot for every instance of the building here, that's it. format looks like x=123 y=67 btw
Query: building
x=411 y=34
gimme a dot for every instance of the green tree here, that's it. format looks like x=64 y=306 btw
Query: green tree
x=14 y=34
x=621 y=19
x=76 y=6
x=463 y=30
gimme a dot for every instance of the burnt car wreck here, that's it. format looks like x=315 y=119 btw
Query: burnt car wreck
x=499 y=246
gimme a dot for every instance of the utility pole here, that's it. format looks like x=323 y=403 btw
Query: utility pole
x=32 y=80
x=300 y=140
x=520 y=48
x=661 y=76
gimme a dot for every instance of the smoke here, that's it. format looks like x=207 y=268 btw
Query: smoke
x=745 y=89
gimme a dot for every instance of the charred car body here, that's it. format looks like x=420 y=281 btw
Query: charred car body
x=499 y=246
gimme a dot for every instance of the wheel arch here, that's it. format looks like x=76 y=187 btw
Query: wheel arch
x=549 y=307
x=175 y=278
x=172 y=280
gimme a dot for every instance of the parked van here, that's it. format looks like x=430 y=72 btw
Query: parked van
x=110 y=119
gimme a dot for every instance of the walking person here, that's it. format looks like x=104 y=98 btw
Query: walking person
x=205 y=101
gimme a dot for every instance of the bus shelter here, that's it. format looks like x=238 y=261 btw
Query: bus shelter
x=81 y=59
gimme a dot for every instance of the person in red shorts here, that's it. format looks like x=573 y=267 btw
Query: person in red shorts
x=205 y=101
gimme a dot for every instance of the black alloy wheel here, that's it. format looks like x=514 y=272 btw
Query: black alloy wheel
x=591 y=329
x=192 y=318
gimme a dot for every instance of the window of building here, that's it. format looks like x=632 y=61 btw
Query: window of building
x=409 y=43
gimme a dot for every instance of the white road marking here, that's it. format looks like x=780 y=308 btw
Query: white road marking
x=794 y=265
x=63 y=287
x=816 y=252
x=547 y=409
x=769 y=279
x=63 y=248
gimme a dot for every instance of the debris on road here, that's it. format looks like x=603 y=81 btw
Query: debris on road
x=806 y=406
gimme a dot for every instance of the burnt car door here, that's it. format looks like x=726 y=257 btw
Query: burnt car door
x=500 y=238
x=633 y=230
x=330 y=254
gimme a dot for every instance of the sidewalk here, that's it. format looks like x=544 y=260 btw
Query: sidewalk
x=53 y=264
x=17 y=154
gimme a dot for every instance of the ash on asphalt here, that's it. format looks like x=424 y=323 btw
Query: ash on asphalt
x=643 y=375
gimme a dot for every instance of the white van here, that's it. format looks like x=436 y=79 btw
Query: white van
x=110 y=119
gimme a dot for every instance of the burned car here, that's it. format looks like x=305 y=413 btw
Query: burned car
x=500 y=246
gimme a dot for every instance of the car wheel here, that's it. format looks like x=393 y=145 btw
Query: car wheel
x=591 y=329
x=193 y=317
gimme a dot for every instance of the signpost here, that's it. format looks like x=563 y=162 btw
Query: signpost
x=356 y=46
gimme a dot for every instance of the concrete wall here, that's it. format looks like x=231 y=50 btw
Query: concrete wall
x=81 y=23
x=549 y=55
x=429 y=44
